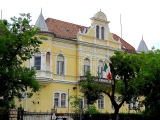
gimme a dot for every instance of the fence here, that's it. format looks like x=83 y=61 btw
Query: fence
x=4 y=115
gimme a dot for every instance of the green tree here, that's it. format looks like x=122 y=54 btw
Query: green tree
x=148 y=82
x=17 y=45
x=126 y=66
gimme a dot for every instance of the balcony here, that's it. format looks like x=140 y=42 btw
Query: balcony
x=99 y=80
x=44 y=77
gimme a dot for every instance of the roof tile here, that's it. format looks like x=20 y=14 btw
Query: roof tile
x=69 y=31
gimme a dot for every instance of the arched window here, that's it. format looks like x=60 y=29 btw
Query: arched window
x=60 y=65
x=100 y=69
x=60 y=99
x=86 y=65
x=97 y=31
x=37 y=61
x=101 y=102
x=102 y=33
x=48 y=61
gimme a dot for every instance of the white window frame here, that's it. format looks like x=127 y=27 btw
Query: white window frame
x=59 y=66
x=40 y=61
x=99 y=101
x=85 y=102
x=86 y=66
x=50 y=59
x=98 y=32
x=100 y=69
x=60 y=100
x=103 y=33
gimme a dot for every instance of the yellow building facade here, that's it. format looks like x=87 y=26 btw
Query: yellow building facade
x=68 y=50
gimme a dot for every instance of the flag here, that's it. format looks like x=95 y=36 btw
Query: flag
x=106 y=72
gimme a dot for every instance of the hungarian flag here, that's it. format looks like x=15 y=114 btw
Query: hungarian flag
x=106 y=72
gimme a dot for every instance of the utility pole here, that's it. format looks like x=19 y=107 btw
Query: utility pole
x=1 y=14
x=121 y=25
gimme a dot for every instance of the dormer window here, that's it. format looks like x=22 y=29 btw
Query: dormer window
x=97 y=31
x=102 y=33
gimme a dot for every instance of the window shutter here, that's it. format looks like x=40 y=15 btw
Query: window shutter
x=57 y=67
x=62 y=68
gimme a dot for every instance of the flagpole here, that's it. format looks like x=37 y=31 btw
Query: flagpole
x=1 y=14
x=121 y=25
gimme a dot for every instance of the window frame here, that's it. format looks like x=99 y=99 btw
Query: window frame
x=97 y=32
x=100 y=68
x=101 y=102
x=86 y=66
x=60 y=66
x=102 y=33
x=60 y=99
x=36 y=61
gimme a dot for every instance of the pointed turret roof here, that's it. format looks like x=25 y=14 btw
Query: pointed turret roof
x=41 y=23
x=142 y=47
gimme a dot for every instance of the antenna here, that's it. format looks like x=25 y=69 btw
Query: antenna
x=1 y=14
x=121 y=25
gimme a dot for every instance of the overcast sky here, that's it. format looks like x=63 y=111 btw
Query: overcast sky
x=138 y=16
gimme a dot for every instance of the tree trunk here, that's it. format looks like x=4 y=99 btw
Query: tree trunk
x=116 y=116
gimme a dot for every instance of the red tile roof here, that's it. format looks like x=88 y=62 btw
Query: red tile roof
x=63 y=29
x=69 y=31
x=125 y=46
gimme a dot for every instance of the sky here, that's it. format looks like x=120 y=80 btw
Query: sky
x=137 y=16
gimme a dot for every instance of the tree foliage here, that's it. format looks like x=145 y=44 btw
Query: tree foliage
x=124 y=65
x=17 y=45
x=90 y=88
x=148 y=82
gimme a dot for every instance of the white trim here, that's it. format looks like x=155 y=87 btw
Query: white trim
x=59 y=102
x=90 y=62
x=103 y=102
x=63 y=66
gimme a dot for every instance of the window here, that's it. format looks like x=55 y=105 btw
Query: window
x=97 y=31
x=37 y=61
x=47 y=61
x=102 y=33
x=60 y=99
x=56 y=99
x=133 y=104
x=85 y=102
x=60 y=65
x=101 y=102
x=116 y=100
x=63 y=100
x=100 y=69
x=86 y=65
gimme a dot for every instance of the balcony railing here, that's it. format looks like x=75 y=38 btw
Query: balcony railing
x=99 y=80
x=44 y=77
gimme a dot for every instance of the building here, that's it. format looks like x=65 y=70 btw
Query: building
x=142 y=47
x=68 y=50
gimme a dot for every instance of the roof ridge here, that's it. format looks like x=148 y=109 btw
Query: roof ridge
x=67 y=22
x=122 y=39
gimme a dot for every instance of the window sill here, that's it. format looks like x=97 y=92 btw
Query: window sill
x=60 y=74
x=101 y=108
x=60 y=107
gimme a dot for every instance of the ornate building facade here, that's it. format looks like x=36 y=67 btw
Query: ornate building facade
x=68 y=50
